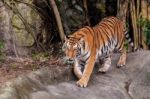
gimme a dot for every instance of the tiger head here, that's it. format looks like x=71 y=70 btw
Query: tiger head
x=73 y=48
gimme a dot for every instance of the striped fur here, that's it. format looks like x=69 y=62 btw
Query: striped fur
x=89 y=44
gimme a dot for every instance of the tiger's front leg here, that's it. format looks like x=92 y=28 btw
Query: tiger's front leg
x=78 y=69
x=87 y=72
x=106 y=64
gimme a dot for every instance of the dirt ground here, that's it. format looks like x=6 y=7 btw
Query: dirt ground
x=13 y=67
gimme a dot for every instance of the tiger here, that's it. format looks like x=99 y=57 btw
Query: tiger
x=89 y=44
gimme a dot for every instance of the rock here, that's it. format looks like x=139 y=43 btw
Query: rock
x=129 y=82
x=140 y=86
x=41 y=95
x=21 y=87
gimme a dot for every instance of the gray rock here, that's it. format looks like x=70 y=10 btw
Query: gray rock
x=129 y=82
x=41 y=95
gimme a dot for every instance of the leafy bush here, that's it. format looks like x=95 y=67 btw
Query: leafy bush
x=40 y=56
x=145 y=24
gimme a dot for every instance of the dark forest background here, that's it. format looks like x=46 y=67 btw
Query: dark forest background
x=30 y=27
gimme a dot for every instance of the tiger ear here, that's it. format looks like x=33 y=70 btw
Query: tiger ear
x=67 y=37
x=70 y=36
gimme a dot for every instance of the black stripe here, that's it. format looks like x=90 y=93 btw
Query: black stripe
x=127 y=36
x=91 y=32
x=117 y=32
x=87 y=59
x=100 y=34
x=111 y=20
x=114 y=19
x=107 y=56
x=121 y=44
x=102 y=39
x=82 y=63
x=84 y=54
x=107 y=48
x=107 y=24
x=102 y=50
x=107 y=32
x=104 y=31
x=109 y=43
x=89 y=29
x=96 y=32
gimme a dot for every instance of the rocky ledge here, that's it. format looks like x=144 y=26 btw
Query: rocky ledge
x=129 y=82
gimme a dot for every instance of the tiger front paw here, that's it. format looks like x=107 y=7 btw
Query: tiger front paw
x=82 y=83
x=104 y=68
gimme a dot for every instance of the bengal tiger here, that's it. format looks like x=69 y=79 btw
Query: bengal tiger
x=89 y=44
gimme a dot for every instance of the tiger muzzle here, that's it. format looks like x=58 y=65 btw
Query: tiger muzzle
x=70 y=61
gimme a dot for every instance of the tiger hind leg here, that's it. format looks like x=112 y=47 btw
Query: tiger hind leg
x=106 y=64
x=122 y=59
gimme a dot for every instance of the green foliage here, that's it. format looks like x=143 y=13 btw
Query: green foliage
x=13 y=65
x=33 y=67
x=1 y=50
x=126 y=45
x=58 y=2
x=102 y=7
x=145 y=24
x=1 y=45
x=40 y=56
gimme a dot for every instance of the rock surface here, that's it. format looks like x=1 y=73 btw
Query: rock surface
x=129 y=82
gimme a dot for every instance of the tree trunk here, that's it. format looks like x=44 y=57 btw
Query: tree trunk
x=138 y=26
x=122 y=9
x=144 y=11
x=58 y=19
x=134 y=23
x=86 y=12
x=149 y=11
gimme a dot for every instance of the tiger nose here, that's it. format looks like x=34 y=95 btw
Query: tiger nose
x=70 y=61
